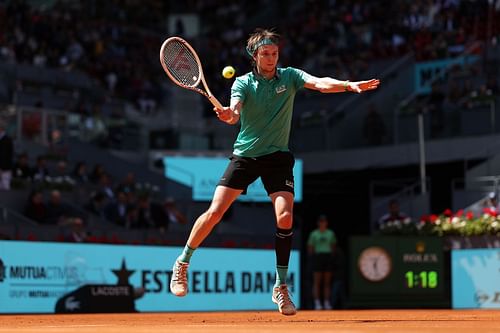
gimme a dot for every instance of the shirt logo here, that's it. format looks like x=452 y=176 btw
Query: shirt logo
x=280 y=89
x=289 y=183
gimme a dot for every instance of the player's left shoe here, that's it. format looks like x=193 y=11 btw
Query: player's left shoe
x=178 y=283
x=281 y=296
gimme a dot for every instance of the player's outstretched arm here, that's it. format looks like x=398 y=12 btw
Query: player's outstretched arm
x=331 y=85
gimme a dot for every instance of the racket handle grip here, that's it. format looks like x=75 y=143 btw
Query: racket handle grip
x=215 y=102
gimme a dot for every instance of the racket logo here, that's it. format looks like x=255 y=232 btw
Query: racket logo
x=180 y=61
x=182 y=65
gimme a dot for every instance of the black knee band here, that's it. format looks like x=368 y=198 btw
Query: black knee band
x=284 y=233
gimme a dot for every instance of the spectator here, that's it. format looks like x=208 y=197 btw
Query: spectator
x=172 y=214
x=116 y=211
x=321 y=247
x=40 y=172
x=6 y=157
x=111 y=80
x=96 y=173
x=393 y=215
x=78 y=234
x=132 y=217
x=57 y=212
x=94 y=128
x=147 y=105
x=128 y=185
x=80 y=173
x=146 y=218
x=35 y=208
x=116 y=124
x=97 y=204
x=374 y=130
x=105 y=187
x=61 y=169
x=21 y=168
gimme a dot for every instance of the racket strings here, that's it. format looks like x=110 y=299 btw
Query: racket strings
x=181 y=63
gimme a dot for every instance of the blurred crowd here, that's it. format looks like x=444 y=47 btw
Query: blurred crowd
x=117 y=42
x=66 y=195
x=341 y=38
x=114 y=41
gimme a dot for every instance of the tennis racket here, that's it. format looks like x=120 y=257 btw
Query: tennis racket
x=182 y=65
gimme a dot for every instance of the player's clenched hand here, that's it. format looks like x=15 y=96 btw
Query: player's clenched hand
x=226 y=114
x=360 y=86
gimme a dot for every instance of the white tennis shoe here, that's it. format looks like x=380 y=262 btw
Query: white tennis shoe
x=282 y=298
x=178 y=282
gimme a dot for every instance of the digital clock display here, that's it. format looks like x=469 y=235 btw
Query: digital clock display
x=422 y=279
x=398 y=272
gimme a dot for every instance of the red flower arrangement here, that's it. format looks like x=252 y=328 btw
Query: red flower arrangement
x=448 y=223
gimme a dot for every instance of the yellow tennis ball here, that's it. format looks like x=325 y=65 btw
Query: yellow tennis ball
x=228 y=72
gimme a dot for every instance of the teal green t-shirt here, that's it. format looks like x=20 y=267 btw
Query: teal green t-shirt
x=266 y=114
x=322 y=241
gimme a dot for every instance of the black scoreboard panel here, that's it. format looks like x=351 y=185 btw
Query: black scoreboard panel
x=398 y=272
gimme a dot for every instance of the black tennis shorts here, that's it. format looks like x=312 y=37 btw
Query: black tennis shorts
x=275 y=170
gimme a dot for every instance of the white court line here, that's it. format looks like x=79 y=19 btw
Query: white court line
x=66 y=326
x=71 y=326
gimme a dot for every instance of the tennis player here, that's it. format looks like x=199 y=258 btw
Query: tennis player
x=262 y=100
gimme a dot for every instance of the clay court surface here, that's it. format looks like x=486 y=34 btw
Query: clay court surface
x=386 y=321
